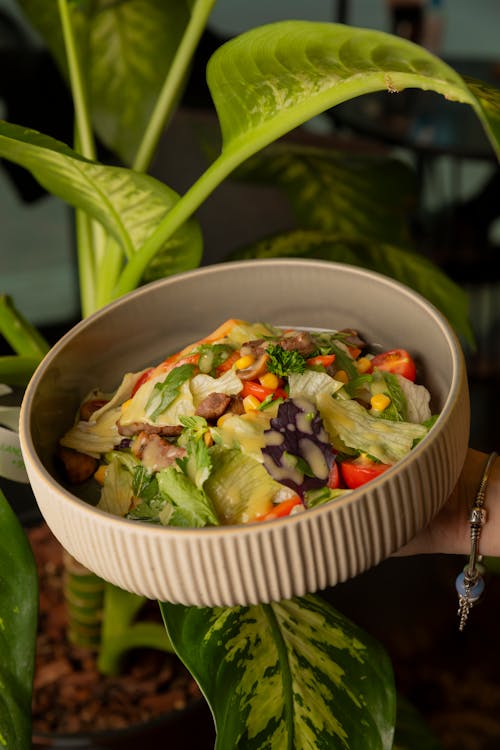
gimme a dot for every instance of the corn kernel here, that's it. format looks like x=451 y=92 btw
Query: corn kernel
x=342 y=376
x=380 y=401
x=100 y=473
x=363 y=364
x=207 y=436
x=244 y=362
x=250 y=403
x=126 y=404
x=223 y=418
x=269 y=380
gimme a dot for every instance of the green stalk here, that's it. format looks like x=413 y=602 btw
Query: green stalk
x=86 y=263
x=16 y=370
x=121 y=633
x=78 y=88
x=169 y=94
x=19 y=333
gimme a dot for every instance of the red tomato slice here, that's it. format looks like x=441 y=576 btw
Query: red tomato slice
x=251 y=388
x=359 y=471
x=321 y=359
x=145 y=376
x=397 y=361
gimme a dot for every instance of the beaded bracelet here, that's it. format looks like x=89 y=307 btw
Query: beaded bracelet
x=470 y=582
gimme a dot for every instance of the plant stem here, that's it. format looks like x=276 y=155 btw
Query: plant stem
x=78 y=88
x=86 y=263
x=16 y=370
x=19 y=333
x=168 y=97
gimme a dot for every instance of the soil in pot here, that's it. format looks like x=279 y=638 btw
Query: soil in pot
x=154 y=699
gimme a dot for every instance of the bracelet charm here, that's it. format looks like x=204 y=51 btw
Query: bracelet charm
x=470 y=582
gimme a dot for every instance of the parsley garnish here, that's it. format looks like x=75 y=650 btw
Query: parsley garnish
x=282 y=362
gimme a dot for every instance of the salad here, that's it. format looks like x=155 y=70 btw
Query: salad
x=251 y=423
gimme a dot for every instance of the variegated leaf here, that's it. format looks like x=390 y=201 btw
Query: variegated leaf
x=294 y=674
x=410 y=268
x=126 y=50
x=18 y=623
x=128 y=204
x=275 y=77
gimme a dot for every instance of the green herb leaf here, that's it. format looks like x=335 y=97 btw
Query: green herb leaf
x=164 y=393
x=18 y=623
x=282 y=362
x=288 y=674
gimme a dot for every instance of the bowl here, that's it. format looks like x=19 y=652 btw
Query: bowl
x=272 y=560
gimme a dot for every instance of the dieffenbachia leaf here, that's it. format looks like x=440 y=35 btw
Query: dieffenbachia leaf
x=271 y=79
x=410 y=268
x=275 y=77
x=294 y=674
x=367 y=195
x=128 y=204
x=126 y=50
x=18 y=623
x=412 y=733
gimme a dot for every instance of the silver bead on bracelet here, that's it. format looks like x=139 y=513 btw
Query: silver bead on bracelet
x=470 y=582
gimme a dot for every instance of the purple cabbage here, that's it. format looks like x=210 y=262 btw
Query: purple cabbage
x=297 y=450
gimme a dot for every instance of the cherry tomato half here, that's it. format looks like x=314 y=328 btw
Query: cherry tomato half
x=397 y=361
x=359 y=471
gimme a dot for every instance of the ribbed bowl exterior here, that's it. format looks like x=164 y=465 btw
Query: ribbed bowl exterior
x=228 y=566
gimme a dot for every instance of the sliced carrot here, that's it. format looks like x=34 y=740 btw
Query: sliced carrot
x=282 y=509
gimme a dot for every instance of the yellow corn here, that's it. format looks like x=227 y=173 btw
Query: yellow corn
x=250 y=403
x=244 y=362
x=100 y=474
x=363 y=364
x=380 y=401
x=223 y=418
x=342 y=376
x=126 y=404
x=269 y=380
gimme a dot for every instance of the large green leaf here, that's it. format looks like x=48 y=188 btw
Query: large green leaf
x=412 y=733
x=410 y=268
x=272 y=79
x=275 y=77
x=18 y=623
x=294 y=674
x=126 y=49
x=369 y=195
x=128 y=204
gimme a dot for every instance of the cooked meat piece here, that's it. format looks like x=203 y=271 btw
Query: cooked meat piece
x=155 y=452
x=300 y=341
x=256 y=348
x=236 y=405
x=213 y=406
x=165 y=430
x=352 y=338
x=89 y=407
x=78 y=467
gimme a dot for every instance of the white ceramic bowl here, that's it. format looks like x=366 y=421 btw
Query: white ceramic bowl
x=270 y=560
